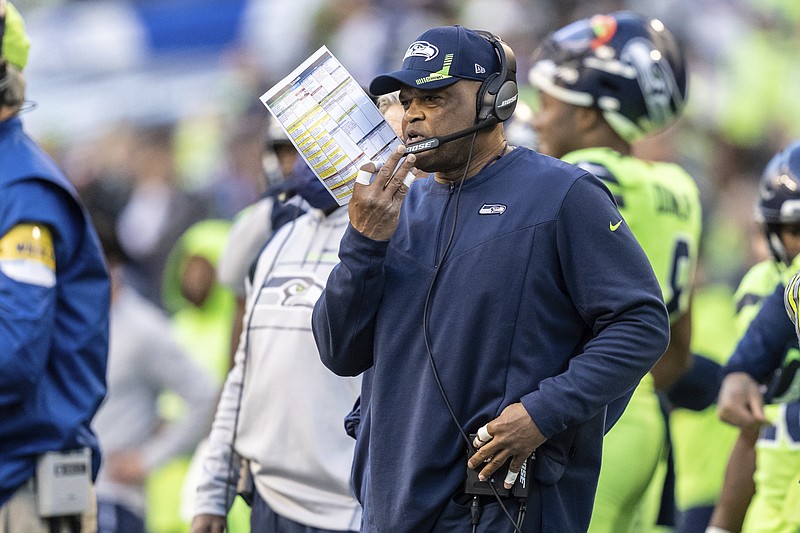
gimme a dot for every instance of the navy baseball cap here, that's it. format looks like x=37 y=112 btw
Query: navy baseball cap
x=440 y=57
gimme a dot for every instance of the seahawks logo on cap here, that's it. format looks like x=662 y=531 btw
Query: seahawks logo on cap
x=421 y=49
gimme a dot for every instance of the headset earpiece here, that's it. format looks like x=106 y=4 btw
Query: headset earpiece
x=497 y=95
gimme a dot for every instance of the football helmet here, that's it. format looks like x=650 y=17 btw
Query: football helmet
x=628 y=66
x=779 y=197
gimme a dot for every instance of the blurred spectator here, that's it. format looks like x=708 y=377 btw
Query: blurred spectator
x=196 y=302
x=144 y=361
x=241 y=180
x=200 y=308
x=392 y=110
x=157 y=212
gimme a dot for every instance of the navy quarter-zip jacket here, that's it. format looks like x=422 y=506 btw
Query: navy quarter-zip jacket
x=543 y=298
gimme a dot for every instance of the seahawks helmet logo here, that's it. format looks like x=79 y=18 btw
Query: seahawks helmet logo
x=421 y=49
x=656 y=81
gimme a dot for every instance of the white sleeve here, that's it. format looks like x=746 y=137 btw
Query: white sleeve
x=219 y=474
x=247 y=236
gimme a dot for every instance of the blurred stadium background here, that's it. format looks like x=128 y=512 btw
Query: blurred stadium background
x=103 y=71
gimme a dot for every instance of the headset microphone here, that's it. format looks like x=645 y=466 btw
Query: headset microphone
x=435 y=142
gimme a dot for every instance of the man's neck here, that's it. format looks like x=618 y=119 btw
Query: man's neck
x=487 y=151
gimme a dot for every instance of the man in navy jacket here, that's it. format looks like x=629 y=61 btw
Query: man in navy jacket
x=506 y=298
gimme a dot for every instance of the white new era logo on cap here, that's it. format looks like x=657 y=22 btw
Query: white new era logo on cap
x=479 y=69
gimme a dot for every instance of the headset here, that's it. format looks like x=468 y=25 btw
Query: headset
x=497 y=96
x=496 y=100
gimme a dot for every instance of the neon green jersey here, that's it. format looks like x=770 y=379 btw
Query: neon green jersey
x=759 y=282
x=775 y=506
x=660 y=202
x=701 y=441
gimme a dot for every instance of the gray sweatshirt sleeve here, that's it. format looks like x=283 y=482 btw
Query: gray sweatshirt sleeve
x=172 y=369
